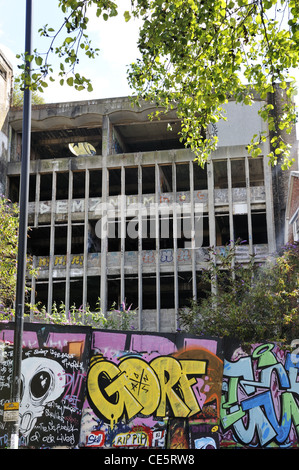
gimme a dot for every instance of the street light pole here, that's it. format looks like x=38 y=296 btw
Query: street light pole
x=23 y=228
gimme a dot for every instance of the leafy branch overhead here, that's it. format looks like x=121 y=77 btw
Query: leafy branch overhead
x=194 y=56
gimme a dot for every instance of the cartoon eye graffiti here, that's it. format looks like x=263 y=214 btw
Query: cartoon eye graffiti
x=43 y=381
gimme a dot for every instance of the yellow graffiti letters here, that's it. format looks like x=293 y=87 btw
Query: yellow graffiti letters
x=136 y=387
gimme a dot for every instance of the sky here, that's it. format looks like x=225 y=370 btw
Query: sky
x=116 y=39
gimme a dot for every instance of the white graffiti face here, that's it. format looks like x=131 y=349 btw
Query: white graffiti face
x=43 y=381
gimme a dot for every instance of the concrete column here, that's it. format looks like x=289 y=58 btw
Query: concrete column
x=140 y=323
x=106 y=136
x=158 y=193
x=52 y=241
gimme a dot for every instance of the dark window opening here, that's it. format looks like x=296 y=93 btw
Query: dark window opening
x=93 y=291
x=148 y=180
x=185 y=288
x=149 y=291
x=256 y=171
x=114 y=182
x=222 y=230
x=113 y=294
x=166 y=232
x=14 y=189
x=76 y=292
x=60 y=244
x=184 y=231
x=114 y=235
x=77 y=239
x=220 y=174
x=45 y=187
x=62 y=186
x=41 y=294
x=167 y=290
x=200 y=177
x=131 y=181
x=238 y=173
x=79 y=185
x=259 y=228
x=131 y=240
x=95 y=183
x=38 y=241
x=241 y=227
x=165 y=172
x=131 y=291
x=58 y=296
x=182 y=177
x=149 y=233
x=94 y=242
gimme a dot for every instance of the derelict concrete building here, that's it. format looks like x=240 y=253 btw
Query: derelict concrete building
x=120 y=211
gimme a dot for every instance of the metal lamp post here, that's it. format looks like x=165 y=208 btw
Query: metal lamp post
x=23 y=227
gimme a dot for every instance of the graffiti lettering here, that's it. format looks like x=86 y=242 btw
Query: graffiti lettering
x=134 y=387
x=259 y=404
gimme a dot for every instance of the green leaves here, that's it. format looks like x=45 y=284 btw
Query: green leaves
x=196 y=54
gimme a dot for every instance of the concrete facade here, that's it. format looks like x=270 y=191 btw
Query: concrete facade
x=6 y=84
x=120 y=211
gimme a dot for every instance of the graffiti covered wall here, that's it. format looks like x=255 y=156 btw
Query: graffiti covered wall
x=83 y=387
x=54 y=367
x=260 y=397
x=141 y=387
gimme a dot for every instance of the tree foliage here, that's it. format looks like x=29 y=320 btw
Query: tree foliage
x=195 y=55
x=18 y=95
x=9 y=221
x=252 y=302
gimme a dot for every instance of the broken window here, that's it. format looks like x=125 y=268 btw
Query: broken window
x=76 y=291
x=60 y=244
x=131 y=291
x=131 y=181
x=148 y=180
x=41 y=294
x=38 y=241
x=165 y=172
x=166 y=231
x=256 y=171
x=14 y=188
x=114 y=235
x=238 y=173
x=113 y=294
x=222 y=230
x=220 y=174
x=78 y=184
x=200 y=177
x=182 y=177
x=114 y=181
x=167 y=290
x=131 y=240
x=58 y=296
x=77 y=238
x=185 y=288
x=93 y=291
x=62 y=186
x=149 y=291
x=259 y=227
x=45 y=187
x=94 y=242
x=240 y=227
x=95 y=183
x=149 y=233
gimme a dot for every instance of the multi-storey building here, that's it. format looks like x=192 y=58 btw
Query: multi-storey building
x=120 y=211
